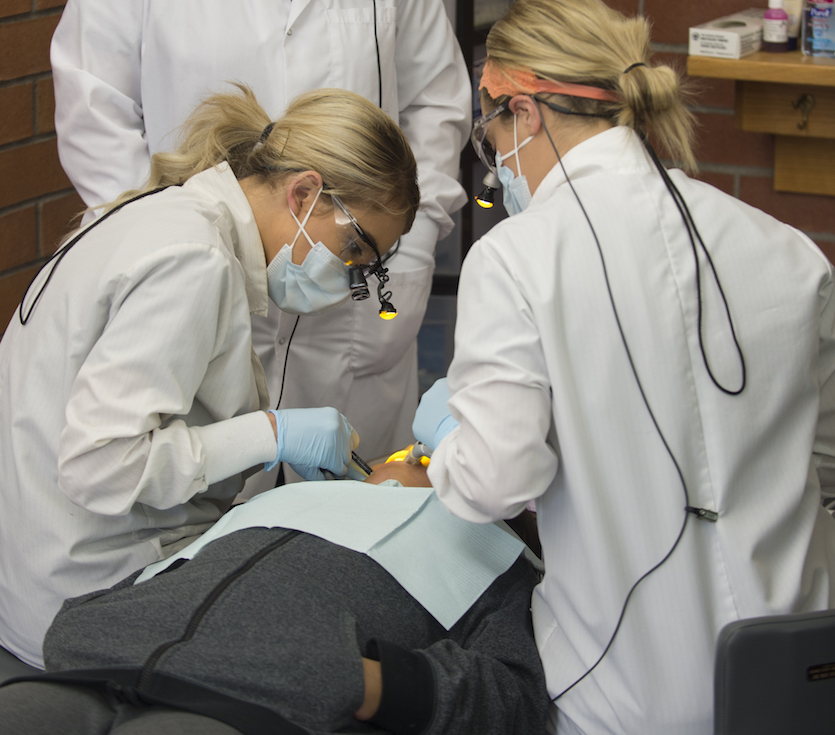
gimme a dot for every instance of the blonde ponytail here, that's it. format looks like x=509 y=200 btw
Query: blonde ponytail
x=586 y=42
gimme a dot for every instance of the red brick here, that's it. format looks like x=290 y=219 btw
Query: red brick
x=812 y=212
x=718 y=141
x=46 y=106
x=58 y=217
x=725 y=182
x=24 y=46
x=14 y=7
x=671 y=19
x=16 y=118
x=46 y=4
x=828 y=249
x=713 y=92
x=18 y=238
x=12 y=289
x=30 y=171
x=627 y=7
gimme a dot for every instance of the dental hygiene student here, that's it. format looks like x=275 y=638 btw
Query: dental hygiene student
x=128 y=73
x=651 y=361
x=132 y=403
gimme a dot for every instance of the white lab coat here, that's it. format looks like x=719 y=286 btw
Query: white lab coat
x=127 y=74
x=130 y=401
x=549 y=409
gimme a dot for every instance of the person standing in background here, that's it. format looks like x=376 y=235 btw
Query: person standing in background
x=127 y=74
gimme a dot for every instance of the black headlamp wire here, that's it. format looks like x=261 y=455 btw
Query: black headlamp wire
x=379 y=65
x=382 y=260
x=59 y=255
x=393 y=251
x=694 y=235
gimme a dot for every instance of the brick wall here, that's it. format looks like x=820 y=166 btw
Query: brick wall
x=739 y=163
x=36 y=199
x=37 y=202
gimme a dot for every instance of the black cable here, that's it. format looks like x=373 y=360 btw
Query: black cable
x=693 y=230
x=280 y=479
x=379 y=66
x=59 y=254
x=677 y=197
x=286 y=355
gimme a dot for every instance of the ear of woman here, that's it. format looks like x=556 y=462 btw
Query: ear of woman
x=302 y=190
x=528 y=120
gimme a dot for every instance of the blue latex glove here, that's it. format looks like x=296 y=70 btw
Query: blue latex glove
x=433 y=420
x=312 y=438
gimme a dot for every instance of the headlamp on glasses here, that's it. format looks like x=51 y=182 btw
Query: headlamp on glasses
x=487 y=155
x=352 y=238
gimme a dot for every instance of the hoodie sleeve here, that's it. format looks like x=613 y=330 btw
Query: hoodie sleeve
x=486 y=677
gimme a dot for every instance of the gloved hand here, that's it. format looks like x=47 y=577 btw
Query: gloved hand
x=433 y=420
x=312 y=438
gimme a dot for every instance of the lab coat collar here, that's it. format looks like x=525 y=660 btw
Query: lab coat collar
x=296 y=8
x=617 y=150
x=220 y=185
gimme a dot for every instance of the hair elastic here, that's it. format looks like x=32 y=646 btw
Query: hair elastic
x=630 y=68
x=266 y=133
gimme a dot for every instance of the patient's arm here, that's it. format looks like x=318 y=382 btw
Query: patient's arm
x=485 y=677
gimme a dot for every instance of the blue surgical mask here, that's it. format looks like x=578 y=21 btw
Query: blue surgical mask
x=516 y=195
x=318 y=284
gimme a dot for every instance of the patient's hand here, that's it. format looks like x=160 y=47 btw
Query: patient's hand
x=408 y=475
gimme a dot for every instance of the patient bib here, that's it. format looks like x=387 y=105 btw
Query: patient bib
x=444 y=562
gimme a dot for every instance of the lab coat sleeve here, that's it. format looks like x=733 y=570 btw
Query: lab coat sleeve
x=498 y=459
x=435 y=107
x=169 y=318
x=95 y=55
x=824 y=448
x=486 y=679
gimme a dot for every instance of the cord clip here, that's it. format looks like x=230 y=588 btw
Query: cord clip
x=703 y=514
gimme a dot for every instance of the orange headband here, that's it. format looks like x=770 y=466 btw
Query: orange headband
x=499 y=82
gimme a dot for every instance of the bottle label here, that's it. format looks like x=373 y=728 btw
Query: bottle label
x=775 y=31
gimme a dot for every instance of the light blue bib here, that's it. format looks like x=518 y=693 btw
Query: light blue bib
x=444 y=562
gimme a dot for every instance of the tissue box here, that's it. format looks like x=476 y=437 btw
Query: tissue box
x=730 y=37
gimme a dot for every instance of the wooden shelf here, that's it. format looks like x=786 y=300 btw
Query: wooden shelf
x=792 y=67
x=769 y=88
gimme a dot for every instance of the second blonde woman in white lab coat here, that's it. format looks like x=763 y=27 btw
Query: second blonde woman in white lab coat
x=662 y=385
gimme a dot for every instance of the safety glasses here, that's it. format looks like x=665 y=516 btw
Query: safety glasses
x=355 y=247
x=483 y=149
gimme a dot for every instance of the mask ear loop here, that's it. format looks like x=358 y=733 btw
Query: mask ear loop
x=517 y=146
x=301 y=224
x=515 y=152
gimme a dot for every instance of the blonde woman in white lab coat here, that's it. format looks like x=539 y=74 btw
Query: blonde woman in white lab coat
x=127 y=74
x=132 y=404
x=664 y=391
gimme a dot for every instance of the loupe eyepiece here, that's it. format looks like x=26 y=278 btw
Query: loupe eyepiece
x=357 y=283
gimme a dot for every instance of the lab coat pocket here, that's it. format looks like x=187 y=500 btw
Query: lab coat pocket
x=354 y=44
x=378 y=345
